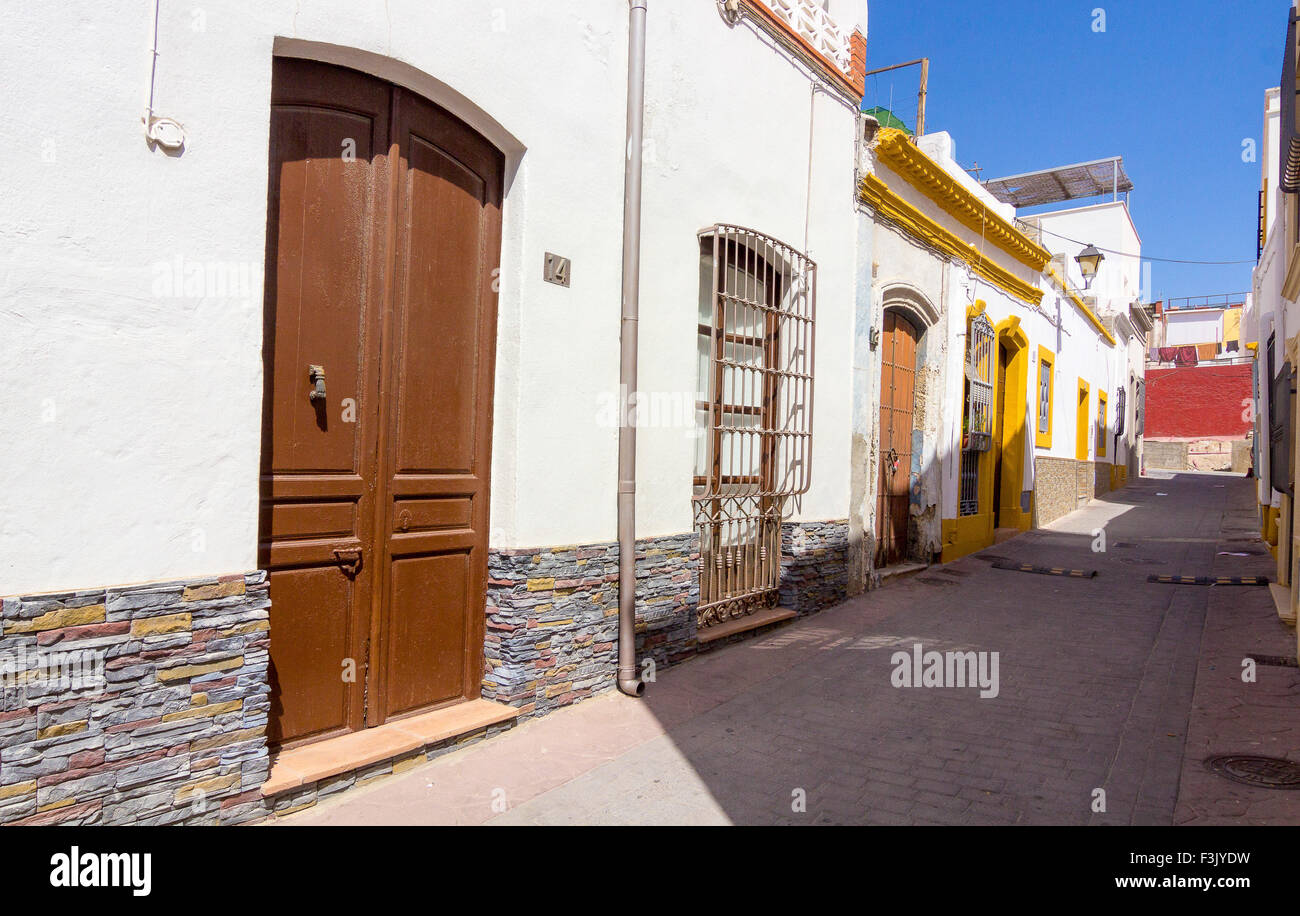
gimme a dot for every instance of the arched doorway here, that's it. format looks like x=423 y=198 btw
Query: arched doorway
x=383 y=231
x=898 y=346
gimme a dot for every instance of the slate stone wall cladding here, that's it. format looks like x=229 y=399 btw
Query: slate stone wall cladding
x=136 y=705
x=814 y=564
x=552 y=618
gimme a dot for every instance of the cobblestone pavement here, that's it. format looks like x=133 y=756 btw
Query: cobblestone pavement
x=1107 y=683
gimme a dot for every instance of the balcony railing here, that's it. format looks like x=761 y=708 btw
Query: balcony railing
x=813 y=24
x=1259 y=237
x=1221 y=301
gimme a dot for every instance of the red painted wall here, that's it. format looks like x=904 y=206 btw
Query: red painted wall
x=1198 y=402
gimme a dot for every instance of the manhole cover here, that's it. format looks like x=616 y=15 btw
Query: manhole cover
x=1262 y=772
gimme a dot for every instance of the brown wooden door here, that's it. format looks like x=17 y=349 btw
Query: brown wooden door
x=383 y=234
x=897 y=391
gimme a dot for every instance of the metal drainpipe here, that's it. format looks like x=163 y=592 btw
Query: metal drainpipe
x=628 y=681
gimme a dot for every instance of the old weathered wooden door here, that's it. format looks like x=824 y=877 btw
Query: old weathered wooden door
x=897 y=392
x=383 y=235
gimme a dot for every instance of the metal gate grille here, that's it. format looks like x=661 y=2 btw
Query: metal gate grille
x=754 y=413
x=977 y=426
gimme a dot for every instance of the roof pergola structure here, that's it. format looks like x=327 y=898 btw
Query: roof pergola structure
x=1067 y=182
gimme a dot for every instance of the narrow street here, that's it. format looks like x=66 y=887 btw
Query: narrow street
x=1111 y=682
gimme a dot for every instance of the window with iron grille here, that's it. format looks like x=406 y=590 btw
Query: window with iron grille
x=753 y=413
x=977 y=417
x=1102 y=403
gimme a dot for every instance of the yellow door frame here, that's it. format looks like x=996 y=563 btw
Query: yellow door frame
x=1015 y=401
x=1082 y=428
x=1103 y=404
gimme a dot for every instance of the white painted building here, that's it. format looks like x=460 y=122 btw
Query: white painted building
x=1028 y=429
x=325 y=298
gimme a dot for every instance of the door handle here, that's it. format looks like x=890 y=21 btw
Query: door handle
x=316 y=374
x=349 y=559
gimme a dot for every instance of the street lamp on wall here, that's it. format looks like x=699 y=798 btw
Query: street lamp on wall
x=1089 y=260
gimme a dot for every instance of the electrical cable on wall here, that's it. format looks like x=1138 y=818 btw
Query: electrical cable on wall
x=1140 y=257
x=165 y=132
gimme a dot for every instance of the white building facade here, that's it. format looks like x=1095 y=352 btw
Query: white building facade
x=1027 y=395
x=327 y=441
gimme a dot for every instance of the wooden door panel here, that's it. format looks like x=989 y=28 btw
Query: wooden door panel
x=438 y=349
x=383 y=237
x=327 y=202
x=311 y=636
x=436 y=450
x=897 y=403
x=427 y=640
x=433 y=514
x=326 y=206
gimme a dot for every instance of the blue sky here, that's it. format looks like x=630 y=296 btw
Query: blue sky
x=1174 y=88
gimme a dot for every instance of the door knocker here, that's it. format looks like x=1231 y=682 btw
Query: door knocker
x=349 y=560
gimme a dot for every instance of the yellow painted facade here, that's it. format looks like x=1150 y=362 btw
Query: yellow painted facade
x=1046 y=358
x=999 y=239
x=898 y=211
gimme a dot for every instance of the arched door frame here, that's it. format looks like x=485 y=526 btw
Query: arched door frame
x=509 y=383
x=907 y=302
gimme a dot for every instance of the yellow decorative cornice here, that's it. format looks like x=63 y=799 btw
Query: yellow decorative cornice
x=896 y=150
x=1080 y=305
x=889 y=205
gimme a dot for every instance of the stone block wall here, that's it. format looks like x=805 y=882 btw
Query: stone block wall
x=1165 y=454
x=1101 y=477
x=1057 y=487
x=814 y=564
x=1199 y=454
x=137 y=705
x=552 y=618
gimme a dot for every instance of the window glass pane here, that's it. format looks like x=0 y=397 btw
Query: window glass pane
x=1044 y=395
x=703 y=344
x=742 y=377
x=701 y=443
x=741 y=448
x=706 y=282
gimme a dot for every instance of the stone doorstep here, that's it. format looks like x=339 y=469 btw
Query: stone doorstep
x=311 y=763
x=900 y=571
x=745 y=624
x=1001 y=535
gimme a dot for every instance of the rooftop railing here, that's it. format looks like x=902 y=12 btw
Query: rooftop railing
x=812 y=23
x=1221 y=301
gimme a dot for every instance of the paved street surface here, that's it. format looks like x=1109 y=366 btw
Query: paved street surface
x=1107 y=683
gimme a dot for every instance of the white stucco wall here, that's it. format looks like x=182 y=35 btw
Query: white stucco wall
x=1194 y=326
x=1080 y=351
x=132 y=433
